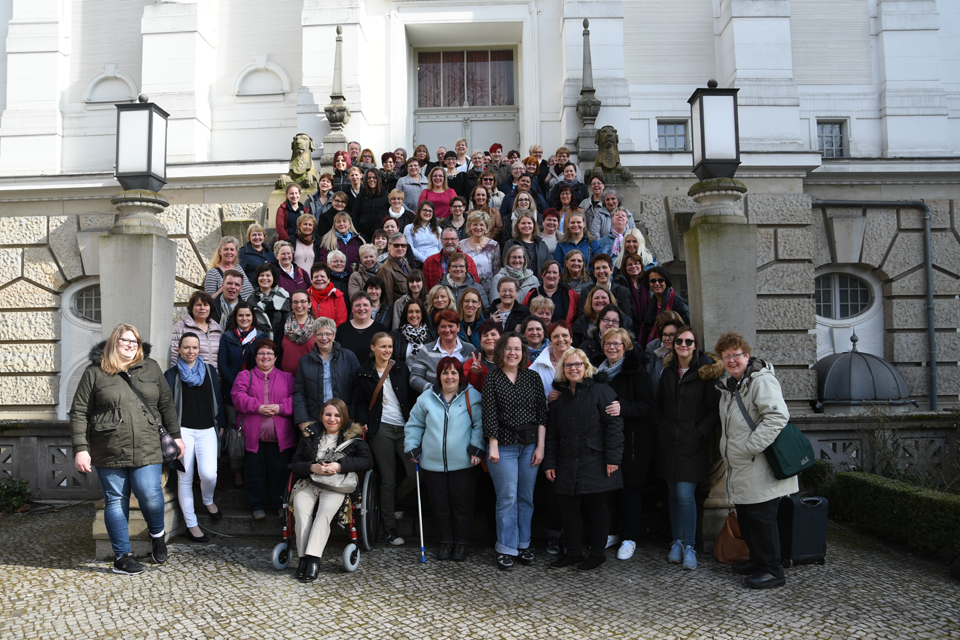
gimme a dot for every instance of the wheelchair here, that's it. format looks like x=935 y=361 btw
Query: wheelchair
x=360 y=519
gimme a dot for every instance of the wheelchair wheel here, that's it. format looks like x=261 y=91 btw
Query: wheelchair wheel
x=281 y=556
x=351 y=557
x=370 y=510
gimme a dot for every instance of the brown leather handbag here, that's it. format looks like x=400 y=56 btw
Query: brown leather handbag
x=730 y=546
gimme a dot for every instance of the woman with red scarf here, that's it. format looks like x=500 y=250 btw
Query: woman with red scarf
x=325 y=299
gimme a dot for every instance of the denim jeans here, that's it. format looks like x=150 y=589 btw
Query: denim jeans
x=514 y=477
x=683 y=511
x=117 y=484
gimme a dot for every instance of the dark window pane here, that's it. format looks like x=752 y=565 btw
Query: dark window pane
x=428 y=79
x=453 y=79
x=478 y=78
x=501 y=78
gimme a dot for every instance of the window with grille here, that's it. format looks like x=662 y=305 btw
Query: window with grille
x=830 y=138
x=86 y=303
x=465 y=78
x=672 y=136
x=839 y=296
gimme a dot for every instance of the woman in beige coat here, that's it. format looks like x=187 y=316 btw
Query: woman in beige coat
x=750 y=482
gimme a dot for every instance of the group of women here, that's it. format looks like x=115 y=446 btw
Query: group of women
x=582 y=371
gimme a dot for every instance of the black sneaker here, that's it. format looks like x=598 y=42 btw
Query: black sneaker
x=393 y=537
x=459 y=552
x=159 y=553
x=127 y=565
x=591 y=563
x=446 y=548
x=504 y=562
x=553 y=545
x=564 y=562
x=526 y=557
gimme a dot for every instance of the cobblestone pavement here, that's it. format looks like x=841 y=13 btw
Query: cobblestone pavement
x=50 y=587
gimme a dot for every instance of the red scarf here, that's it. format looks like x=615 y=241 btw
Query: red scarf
x=320 y=296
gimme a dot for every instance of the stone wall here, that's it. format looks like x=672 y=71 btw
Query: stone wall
x=40 y=257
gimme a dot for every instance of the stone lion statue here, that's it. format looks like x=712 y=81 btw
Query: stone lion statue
x=608 y=154
x=302 y=169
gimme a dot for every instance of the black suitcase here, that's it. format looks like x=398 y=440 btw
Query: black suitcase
x=802 y=520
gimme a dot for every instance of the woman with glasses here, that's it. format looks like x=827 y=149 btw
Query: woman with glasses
x=297 y=340
x=687 y=415
x=459 y=279
x=488 y=179
x=480 y=201
x=666 y=324
x=484 y=251
x=583 y=456
x=423 y=234
x=457 y=219
x=515 y=266
x=514 y=423
x=609 y=317
x=596 y=299
x=328 y=371
x=470 y=309
x=623 y=371
x=663 y=297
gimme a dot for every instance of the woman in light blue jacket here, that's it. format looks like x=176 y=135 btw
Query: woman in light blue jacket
x=444 y=434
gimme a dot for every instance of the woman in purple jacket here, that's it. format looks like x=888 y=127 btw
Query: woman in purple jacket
x=263 y=397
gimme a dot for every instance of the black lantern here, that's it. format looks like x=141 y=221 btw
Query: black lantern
x=715 y=132
x=141 y=145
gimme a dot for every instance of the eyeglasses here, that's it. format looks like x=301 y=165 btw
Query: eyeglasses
x=300 y=302
x=399 y=245
x=325 y=334
x=457 y=267
x=668 y=336
x=513 y=349
x=657 y=281
x=488 y=179
x=573 y=365
x=128 y=342
x=732 y=356
x=615 y=345
x=686 y=342
x=615 y=321
x=267 y=354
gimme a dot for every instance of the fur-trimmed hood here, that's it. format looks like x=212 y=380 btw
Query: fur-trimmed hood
x=709 y=366
x=96 y=352
x=315 y=431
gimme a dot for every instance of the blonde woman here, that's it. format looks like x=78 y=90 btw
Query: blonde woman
x=365 y=270
x=226 y=258
x=343 y=237
x=438 y=193
x=255 y=252
x=484 y=251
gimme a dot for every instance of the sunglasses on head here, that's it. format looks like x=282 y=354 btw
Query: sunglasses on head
x=687 y=342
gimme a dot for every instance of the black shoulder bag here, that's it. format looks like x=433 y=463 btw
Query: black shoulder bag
x=168 y=447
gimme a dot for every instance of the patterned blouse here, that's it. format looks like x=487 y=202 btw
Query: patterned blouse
x=487 y=260
x=507 y=406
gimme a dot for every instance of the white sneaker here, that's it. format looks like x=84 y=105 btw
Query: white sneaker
x=627 y=547
x=612 y=540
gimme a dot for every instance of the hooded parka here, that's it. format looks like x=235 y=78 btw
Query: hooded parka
x=445 y=438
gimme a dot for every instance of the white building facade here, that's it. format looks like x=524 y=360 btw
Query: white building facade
x=839 y=100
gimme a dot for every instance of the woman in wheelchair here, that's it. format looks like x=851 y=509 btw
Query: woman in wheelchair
x=326 y=465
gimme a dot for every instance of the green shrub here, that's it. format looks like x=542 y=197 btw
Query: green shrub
x=926 y=520
x=14 y=493
x=816 y=478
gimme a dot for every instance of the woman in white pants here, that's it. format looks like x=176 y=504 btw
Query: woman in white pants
x=320 y=442
x=196 y=396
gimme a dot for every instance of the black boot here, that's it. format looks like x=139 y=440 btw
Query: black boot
x=313 y=569
x=301 y=568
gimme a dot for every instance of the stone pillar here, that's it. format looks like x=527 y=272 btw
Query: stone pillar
x=138 y=264
x=721 y=253
x=588 y=107
x=179 y=72
x=38 y=73
x=337 y=112
x=913 y=103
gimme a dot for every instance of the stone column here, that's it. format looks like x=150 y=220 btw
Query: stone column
x=721 y=252
x=138 y=264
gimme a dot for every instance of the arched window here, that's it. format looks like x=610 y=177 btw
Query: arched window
x=848 y=300
x=86 y=303
x=841 y=295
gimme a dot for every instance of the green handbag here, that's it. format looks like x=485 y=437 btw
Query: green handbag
x=790 y=453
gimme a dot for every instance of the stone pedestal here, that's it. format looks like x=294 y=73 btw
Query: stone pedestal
x=140 y=542
x=721 y=256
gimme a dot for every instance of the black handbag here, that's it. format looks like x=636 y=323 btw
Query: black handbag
x=233 y=445
x=168 y=446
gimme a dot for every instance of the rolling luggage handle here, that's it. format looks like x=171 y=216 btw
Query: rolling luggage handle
x=808 y=501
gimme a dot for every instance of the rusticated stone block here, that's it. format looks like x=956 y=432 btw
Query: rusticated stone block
x=765 y=246
x=905 y=254
x=24 y=295
x=96 y=221
x=24 y=230
x=32 y=325
x=939 y=216
x=783 y=209
x=203 y=227
x=795 y=244
x=29 y=390
x=63 y=243
x=918 y=380
x=912 y=314
x=244 y=211
x=189 y=267
x=821 y=242
x=946 y=252
x=11 y=265
x=786 y=278
x=787 y=348
x=879 y=233
x=797 y=384
x=174 y=218
x=40 y=267
x=914 y=284
x=29 y=358
x=790 y=314
x=912 y=347
x=653 y=215
x=237 y=229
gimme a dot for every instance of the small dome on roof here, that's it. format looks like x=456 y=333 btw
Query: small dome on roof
x=853 y=378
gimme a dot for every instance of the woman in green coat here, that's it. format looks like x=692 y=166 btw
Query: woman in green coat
x=117 y=432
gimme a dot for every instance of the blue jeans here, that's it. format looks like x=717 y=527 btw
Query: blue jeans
x=683 y=511
x=117 y=484
x=514 y=477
